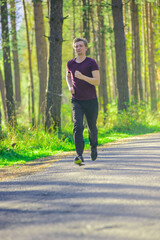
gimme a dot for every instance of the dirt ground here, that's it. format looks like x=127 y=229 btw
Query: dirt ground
x=8 y=173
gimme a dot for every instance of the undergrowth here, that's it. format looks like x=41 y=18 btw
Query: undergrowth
x=25 y=144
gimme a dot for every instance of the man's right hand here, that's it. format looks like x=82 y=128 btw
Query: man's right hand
x=72 y=90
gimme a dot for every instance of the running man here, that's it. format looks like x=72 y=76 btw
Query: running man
x=82 y=78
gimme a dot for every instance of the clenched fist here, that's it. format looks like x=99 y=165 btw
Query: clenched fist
x=78 y=75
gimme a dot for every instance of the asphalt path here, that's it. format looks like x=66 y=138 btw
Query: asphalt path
x=117 y=197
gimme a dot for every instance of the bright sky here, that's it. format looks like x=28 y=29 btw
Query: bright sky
x=19 y=16
x=19 y=12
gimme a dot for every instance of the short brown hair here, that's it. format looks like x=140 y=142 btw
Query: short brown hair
x=80 y=39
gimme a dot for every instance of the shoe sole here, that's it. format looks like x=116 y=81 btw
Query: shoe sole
x=94 y=155
x=78 y=161
x=93 y=158
x=81 y=164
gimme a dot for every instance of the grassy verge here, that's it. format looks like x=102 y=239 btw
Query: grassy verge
x=22 y=145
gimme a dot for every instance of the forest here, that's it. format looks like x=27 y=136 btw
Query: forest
x=36 y=44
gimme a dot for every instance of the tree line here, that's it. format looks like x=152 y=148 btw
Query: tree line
x=123 y=38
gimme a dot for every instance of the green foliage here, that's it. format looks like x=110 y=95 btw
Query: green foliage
x=137 y=120
x=25 y=144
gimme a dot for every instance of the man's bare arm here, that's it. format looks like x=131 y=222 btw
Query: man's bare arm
x=95 y=80
x=69 y=82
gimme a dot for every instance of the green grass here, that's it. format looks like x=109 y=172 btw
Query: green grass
x=25 y=144
x=20 y=146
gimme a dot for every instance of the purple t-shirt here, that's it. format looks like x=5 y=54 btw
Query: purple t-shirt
x=83 y=90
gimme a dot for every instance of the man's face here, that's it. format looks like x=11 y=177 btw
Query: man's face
x=80 y=48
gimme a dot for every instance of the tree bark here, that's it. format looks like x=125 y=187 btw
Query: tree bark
x=150 y=47
x=93 y=29
x=15 y=54
x=102 y=58
x=121 y=63
x=153 y=83
x=41 y=48
x=74 y=23
x=53 y=108
x=0 y=124
x=7 y=64
x=30 y=64
x=136 y=59
x=134 y=54
x=144 y=53
x=86 y=21
x=112 y=58
x=3 y=94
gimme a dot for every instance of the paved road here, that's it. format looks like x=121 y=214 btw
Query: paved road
x=115 y=198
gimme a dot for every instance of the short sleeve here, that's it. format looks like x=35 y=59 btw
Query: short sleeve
x=68 y=68
x=94 y=65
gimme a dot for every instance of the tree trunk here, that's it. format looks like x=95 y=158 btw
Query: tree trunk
x=136 y=59
x=7 y=64
x=95 y=35
x=3 y=94
x=53 y=109
x=153 y=84
x=121 y=63
x=144 y=54
x=15 y=54
x=30 y=64
x=102 y=57
x=134 y=53
x=147 y=88
x=41 y=48
x=0 y=124
x=86 y=23
x=128 y=34
x=150 y=37
x=74 y=23
x=112 y=58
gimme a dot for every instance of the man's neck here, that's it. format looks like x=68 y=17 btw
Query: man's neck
x=80 y=59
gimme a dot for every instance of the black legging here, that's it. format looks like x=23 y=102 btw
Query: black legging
x=89 y=108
